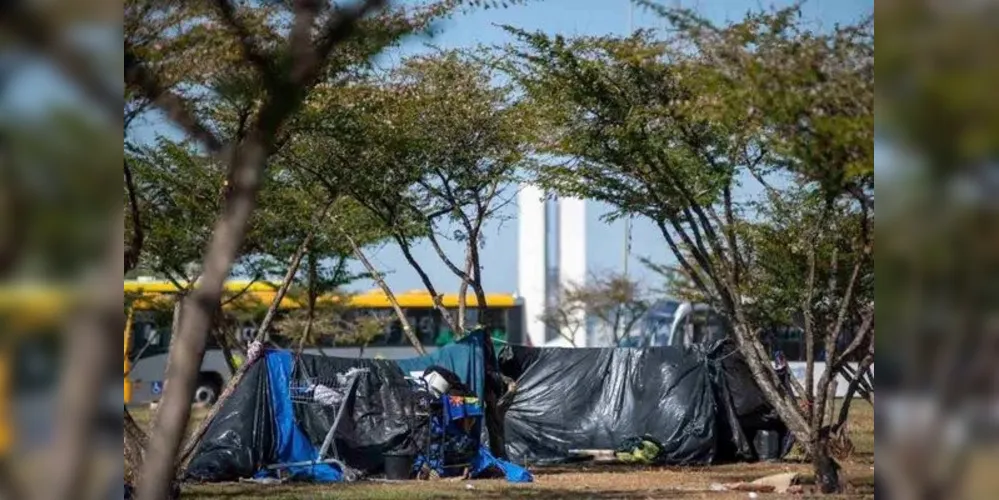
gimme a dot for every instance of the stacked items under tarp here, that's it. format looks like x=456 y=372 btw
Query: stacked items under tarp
x=699 y=405
x=262 y=425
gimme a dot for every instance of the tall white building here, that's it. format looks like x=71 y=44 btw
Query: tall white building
x=552 y=251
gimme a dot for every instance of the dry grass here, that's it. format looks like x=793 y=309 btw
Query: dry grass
x=593 y=481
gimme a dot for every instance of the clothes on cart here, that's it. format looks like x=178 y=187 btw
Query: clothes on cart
x=454 y=447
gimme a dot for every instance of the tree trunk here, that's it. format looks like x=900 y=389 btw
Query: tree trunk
x=425 y=278
x=223 y=342
x=312 y=295
x=134 y=445
x=178 y=308
x=826 y=469
x=189 y=349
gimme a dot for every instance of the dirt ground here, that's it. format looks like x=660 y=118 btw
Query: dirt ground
x=582 y=481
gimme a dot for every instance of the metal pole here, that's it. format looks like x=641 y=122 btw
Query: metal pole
x=627 y=221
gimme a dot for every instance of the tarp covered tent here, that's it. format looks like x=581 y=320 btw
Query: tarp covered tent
x=259 y=425
x=700 y=403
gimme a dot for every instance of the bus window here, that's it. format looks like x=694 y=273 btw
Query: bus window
x=150 y=333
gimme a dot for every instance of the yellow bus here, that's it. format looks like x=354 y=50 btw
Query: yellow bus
x=150 y=314
x=32 y=318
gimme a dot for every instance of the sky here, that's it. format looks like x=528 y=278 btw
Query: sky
x=604 y=242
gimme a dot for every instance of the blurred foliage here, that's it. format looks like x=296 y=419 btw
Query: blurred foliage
x=54 y=192
x=936 y=77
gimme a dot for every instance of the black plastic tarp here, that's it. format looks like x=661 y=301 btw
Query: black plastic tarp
x=380 y=417
x=700 y=404
x=244 y=438
x=241 y=437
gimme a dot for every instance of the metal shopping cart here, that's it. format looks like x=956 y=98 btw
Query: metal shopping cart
x=332 y=392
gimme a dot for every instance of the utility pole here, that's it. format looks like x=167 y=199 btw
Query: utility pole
x=627 y=221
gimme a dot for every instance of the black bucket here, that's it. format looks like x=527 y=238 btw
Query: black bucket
x=398 y=466
x=767 y=444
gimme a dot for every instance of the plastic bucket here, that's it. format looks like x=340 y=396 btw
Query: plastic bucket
x=767 y=444
x=398 y=467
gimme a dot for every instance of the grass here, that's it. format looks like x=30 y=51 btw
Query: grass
x=592 y=481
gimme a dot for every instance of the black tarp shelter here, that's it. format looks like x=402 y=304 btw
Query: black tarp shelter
x=700 y=403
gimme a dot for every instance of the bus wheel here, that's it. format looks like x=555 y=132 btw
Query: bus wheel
x=209 y=387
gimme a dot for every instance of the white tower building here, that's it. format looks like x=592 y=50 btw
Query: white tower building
x=541 y=268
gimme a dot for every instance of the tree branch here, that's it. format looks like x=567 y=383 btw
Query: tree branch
x=425 y=278
x=134 y=249
x=844 y=411
x=251 y=51
x=375 y=275
x=338 y=27
x=865 y=330
x=809 y=333
x=175 y=107
x=39 y=33
x=733 y=242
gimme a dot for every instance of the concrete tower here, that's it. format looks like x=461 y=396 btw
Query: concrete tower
x=552 y=252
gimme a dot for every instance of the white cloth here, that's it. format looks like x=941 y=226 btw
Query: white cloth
x=326 y=395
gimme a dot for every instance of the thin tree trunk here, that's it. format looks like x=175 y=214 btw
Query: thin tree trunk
x=445 y=315
x=826 y=469
x=310 y=306
x=407 y=330
x=830 y=399
x=223 y=342
x=189 y=349
x=313 y=294
x=134 y=445
x=289 y=277
x=195 y=439
x=178 y=307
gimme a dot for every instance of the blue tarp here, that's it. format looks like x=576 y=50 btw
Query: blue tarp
x=466 y=358
x=513 y=472
x=291 y=444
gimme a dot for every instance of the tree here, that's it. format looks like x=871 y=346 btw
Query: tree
x=270 y=57
x=285 y=90
x=611 y=303
x=436 y=142
x=667 y=128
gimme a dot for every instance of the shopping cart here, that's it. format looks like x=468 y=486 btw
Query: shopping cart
x=328 y=392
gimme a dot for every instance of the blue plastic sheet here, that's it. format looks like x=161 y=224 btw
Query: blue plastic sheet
x=466 y=358
x=292 y=445
x=485 y=461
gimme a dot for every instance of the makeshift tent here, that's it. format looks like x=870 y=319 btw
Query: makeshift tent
x=261 y=424
x=701 y=404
